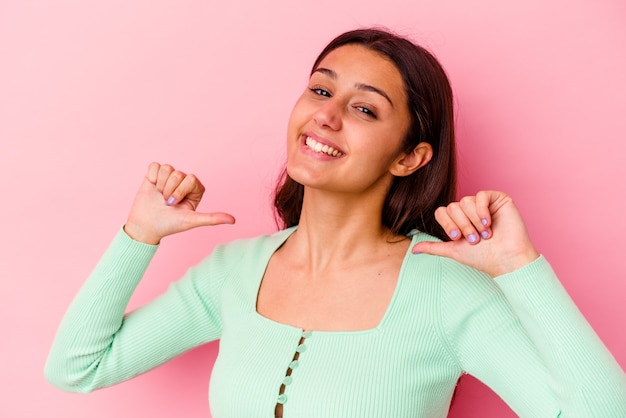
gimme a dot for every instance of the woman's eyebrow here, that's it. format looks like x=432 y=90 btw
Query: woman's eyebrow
x=360 y=86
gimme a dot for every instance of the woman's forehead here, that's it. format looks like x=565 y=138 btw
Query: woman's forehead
x=359 y=65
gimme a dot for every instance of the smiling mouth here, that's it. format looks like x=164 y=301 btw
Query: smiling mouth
x=321 y=148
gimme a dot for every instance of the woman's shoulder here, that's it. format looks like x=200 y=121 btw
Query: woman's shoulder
x=447 y=272
x=240 y=256
x=256 y=246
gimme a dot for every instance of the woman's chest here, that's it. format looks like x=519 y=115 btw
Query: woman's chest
x=396 y=369
x=349 y=297
x=363 y=374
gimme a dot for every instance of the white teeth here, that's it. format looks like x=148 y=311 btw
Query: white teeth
x=322 y=148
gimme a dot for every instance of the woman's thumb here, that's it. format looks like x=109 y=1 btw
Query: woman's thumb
x=196 y=219
x=433 y=248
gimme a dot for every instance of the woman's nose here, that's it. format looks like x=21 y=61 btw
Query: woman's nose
x=329 y=114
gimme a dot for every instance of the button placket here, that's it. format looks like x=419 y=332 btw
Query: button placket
x=288 y=380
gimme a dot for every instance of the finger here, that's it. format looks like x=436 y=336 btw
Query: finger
x=472 y=209
x=173 y=182
x=460 y=218
x=443 y=249
x=162 y=175
x=190 y=189
x=448 y=225
x=483 y=203
x=153 y=170
x=196 y=219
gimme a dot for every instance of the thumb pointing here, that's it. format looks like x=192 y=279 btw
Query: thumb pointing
x=433 y=248
x=196 y=219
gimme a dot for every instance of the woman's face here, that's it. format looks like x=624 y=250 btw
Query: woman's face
x=346 y=130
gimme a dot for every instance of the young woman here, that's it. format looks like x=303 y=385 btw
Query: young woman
x=380 y=291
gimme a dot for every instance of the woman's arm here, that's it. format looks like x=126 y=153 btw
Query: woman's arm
x=584 y=376
x=520 y=332
x=97 y=345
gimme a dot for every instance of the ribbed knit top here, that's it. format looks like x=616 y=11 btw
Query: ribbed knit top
x=520 y=334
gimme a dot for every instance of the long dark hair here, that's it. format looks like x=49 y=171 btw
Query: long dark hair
x=411 y=200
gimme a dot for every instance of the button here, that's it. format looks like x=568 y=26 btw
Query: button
x=287 y=381
x=294 y=364
x=306 y=334
x=282 y=399
x=301 y=348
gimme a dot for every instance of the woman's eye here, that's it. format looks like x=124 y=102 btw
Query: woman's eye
x=366 y=110
x=320 y=91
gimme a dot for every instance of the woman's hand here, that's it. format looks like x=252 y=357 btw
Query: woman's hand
x=487 y=233
x=166 y=204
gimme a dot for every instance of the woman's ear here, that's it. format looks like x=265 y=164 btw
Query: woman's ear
x=408 y=163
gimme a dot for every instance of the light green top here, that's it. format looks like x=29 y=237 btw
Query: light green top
x=520 y=334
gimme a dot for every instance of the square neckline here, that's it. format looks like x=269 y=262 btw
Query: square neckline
x=280 y=238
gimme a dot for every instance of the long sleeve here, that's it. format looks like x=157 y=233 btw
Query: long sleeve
x=98 y=345
x=522 y=336
x=584 y=376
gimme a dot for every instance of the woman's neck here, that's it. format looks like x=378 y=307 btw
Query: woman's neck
x=338 y=230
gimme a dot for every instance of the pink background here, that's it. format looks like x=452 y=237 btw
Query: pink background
x=91 y=92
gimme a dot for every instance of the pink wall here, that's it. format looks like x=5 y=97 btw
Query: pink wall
x=91 y=92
